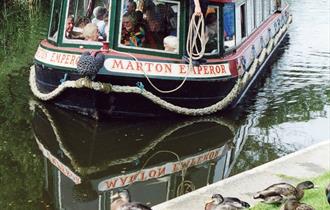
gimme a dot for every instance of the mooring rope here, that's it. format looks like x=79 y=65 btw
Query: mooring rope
x=107 y=87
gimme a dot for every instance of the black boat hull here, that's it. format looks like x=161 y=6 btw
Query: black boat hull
x=193 y=94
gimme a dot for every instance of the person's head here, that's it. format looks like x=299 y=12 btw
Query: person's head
x=106 y=17
x=70 y=19
x=171 y=43
x=131 y=6
x=211 y=18
x=82 y=22
x=153 y=25
x=99 y=12
x=139 y=16
x=90 y=32
x=129 y=22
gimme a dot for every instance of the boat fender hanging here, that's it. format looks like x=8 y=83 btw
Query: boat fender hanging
x=269 y=33
x=243 y=64
x=64 y=78
x=262 y=43
x=140 y=85
x=254 y=52
x=90 y=63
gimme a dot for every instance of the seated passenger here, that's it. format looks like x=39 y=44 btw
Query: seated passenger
x=77 y=32
x=99 y=13
x=69 y=26
x=90 y=32
x=105 y=30
x=130 y=7
x=131 y=34
x=211 y=33
x=154 y=37
x=171 y=44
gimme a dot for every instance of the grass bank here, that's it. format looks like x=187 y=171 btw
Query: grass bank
x=315 y=197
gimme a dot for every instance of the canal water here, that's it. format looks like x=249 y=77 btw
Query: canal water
x=54 y=159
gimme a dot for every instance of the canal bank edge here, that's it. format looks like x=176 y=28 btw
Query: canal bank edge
x=309 y=162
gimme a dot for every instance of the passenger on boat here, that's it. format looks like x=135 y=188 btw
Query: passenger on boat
x=104 y=29
x=90 y=32
x=139 y=19
x=154 y=37
x=130 y=7
x=132 y=34
x=77 y=32
x=99 y=13
x=211 y=32
x=171 y=44
x=69 y=26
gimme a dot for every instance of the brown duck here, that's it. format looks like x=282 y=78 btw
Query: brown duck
x=278 y=193
x=293 y=204
x=122 y=201
x=217 y=202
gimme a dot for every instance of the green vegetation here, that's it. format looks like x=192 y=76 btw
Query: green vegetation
x=315 y=197
x=22 y=26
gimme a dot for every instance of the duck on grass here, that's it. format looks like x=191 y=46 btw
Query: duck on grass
x=315 y=198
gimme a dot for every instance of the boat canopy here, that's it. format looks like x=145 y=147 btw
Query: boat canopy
x=156 y=27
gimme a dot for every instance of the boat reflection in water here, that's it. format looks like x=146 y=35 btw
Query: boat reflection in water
x=156 y=160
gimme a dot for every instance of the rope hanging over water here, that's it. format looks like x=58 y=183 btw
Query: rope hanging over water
x=107 y=87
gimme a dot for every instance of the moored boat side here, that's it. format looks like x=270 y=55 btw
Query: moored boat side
x=145 y=81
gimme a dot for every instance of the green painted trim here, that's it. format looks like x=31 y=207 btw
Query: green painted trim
x=112 y=21
x=50 y=19
x=59 y=23
x=222 y=28
x=62 y=22
x=58 y=50
x=58 y=68
x=184 y=10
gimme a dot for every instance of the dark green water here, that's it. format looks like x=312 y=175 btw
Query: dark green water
x=287 y=110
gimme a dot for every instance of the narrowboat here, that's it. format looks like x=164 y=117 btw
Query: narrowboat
x=155 y=57
x=86 y=162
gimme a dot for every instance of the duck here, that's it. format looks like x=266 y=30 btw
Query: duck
x=327 y=193
x=217 y=202
x=277 y=193
x=122 y=201
x=293 y=204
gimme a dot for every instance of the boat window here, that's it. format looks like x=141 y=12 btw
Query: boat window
x=229 y=25
x=151 y=24
x=254 y=22
x=87 y=22
x=212 y=30
x=266 y=8
x=55 y=20
x=258 y=14
x=243 y=20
